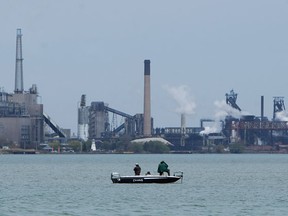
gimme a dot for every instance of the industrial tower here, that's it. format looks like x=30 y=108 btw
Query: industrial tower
x=231 y=100
x=83 y=114
x=278 y=106
x=147 y=99
x=19 y=87
x=21 y=119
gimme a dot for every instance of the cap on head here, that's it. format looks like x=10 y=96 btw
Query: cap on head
x=136 y=164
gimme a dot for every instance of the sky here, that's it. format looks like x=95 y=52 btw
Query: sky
x=199 y=51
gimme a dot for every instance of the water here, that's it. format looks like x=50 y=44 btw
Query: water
x=246 y=184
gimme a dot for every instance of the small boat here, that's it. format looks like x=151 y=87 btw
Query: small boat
x=117 y=178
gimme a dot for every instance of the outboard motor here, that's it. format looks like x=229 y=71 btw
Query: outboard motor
x=115 y=177
x=179 y=174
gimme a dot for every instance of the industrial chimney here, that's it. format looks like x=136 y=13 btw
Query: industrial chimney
x=262 y=108
x=183 y=129
x=19 y=88
x=83 y=113
x=147 y=99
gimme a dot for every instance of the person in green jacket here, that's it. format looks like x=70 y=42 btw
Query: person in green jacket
x=163 y=167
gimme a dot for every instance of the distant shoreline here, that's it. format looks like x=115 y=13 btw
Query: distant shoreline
x=32 y=151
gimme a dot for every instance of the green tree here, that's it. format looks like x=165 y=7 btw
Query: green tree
x=156 y=147
x=236 y=148
x=6 y=142
x=75 y=145
x=55 y=144
x=219 y=148
x=106 y=145
x=122 y=143
x=136 y=147
x=86 y=145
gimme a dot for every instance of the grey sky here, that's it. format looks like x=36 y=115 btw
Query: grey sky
x=97 y=48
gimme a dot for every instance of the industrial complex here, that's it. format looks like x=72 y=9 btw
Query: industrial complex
x=23 y=122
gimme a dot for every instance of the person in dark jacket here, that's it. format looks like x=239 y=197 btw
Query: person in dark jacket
x=137 y=169
x=163 y=167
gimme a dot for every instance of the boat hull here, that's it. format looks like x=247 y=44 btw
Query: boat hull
x=116 y=178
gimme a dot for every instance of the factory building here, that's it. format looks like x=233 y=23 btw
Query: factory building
x=22 y=120
x=101 y=125
x=21 y=117
x=98 y=120
x=248 y=130
x=101 y=122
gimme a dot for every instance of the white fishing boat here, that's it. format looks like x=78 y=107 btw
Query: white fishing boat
x=117 y=178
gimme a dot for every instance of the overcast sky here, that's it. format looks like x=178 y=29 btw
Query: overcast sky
x=199 y=51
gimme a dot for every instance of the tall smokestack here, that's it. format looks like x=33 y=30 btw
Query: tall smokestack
x=19 y=88
x=183 y=123
x=262 y=108
x=83 y=116
x=183 y=129
x=147 y=99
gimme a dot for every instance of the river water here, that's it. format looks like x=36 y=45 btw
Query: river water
x=213 y=184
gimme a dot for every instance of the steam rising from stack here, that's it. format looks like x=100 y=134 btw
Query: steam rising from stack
x=181 y=95
x=223 y=110
x=282 y=116
x=183 y=124
x=186 y=106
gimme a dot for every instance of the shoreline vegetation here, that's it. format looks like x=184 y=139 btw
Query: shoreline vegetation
x=150 y=147
x=246 y=150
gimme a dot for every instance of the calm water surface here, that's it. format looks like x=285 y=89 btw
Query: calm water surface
x=213 y=184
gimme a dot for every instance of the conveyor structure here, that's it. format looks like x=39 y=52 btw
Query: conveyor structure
x=53 y=126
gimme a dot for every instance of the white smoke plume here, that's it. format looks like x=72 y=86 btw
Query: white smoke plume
x=181 y=95
x=222 y=110
x=282 y=116
x=215 y=128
